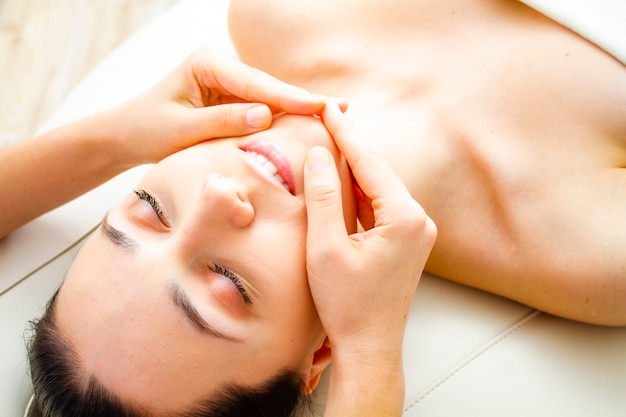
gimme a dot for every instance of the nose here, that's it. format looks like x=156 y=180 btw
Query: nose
x=224 y=201
x=220 y=209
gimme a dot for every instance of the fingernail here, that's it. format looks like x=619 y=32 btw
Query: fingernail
x=258 y=116
x=317 y=159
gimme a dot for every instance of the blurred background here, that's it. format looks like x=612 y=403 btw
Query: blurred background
x=48 y=46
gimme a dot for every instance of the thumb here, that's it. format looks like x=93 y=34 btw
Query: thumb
x=233 y=119
x=323 y=197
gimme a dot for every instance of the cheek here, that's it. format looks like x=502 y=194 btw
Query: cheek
x=281 y=257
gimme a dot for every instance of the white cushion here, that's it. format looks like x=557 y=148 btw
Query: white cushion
x=466 y=352
x=600 y=21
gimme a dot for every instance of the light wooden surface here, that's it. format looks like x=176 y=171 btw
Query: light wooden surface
x=48 y=46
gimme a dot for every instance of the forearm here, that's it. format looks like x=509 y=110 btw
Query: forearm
x=42 y=173
x=365 y=390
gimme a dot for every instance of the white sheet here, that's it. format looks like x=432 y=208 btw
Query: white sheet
x=602 y=22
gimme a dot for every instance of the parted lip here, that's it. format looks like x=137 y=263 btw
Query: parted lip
x=270 y=161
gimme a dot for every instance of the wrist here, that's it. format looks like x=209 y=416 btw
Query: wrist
x=110 y=137
x=365 y=387
x=384 y=360
x=91 y=143
x=378 y=343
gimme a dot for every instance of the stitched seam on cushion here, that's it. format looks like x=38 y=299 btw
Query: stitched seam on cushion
x=477 y=354
x=54 y=258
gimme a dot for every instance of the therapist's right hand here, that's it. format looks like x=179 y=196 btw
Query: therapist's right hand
x=209 y=95
x=363 y=283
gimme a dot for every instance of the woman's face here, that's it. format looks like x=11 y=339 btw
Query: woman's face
x=198 y=278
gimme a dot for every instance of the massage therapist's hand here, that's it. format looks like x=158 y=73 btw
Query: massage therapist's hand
x=209 y=95
x=363 y=283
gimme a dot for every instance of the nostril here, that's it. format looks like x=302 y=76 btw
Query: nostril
x=242 y=214
x=243 y=197
x=229 y=198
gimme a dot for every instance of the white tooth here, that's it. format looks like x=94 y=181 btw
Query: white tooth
x=280 y=179
x=271 y=168
x=282 y=182
x=266 y=164
x=260 y=158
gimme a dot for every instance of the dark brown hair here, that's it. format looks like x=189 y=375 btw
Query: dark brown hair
x=63 y=390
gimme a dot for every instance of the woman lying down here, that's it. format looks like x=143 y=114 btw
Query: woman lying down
x=205 y=293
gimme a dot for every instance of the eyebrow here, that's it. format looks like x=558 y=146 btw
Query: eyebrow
x=117 y=237
x=176 y=293
x=181 y=300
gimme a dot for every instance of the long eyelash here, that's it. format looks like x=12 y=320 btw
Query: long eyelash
x=236 y=280
x=149 y=198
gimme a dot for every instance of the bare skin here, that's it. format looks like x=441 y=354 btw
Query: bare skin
x=209 y=95
x=509 y=129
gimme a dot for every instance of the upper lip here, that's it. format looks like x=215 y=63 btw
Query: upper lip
x=278 y=160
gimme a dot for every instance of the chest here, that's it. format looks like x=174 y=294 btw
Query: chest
x=487 y=110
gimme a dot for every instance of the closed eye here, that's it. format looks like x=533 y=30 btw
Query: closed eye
x=236 y=280
x=155 y=204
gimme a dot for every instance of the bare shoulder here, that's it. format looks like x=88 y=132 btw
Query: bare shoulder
x=556 y=243
x=584 y=256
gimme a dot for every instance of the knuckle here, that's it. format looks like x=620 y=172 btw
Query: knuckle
x=415 y=221
x=432 y=228
x=226 y=119
x=321 y=251
x=322 y=193
x=326 y=253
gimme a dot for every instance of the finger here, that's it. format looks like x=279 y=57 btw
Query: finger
x=323 y=197
x=257 y=86
x=226 y=120
x=238 y=79
x=341 y=102
x=372 y=172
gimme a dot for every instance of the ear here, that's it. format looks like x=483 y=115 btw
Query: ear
x=321 y=359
